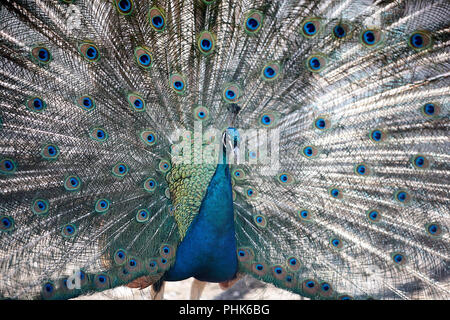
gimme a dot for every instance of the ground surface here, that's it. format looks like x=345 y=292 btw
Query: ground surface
x=245 y=289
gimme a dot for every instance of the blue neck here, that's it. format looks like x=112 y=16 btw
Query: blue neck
x=208 y=251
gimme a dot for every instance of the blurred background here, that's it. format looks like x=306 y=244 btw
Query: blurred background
x=247 y=288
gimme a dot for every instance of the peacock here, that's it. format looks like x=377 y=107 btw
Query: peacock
x=304 y=143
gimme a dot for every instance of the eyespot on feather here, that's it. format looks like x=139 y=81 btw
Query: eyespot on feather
x=36 y=104
x=335 y=193
x=377 y=135
x=101 y=206
x=259 y=268
x=50 y=152
x=293 y=264
x=40 y=207
x=434 y=229
x=148 y=137
x=231 y=93
x=167 y=251
x=420 y=40
x=402 y=197
x=398 y=258
x=373 y=215
x=309 y=152
x=136 y=102
x=98 y=134
x=245 y=254
x=89 y=51
x=271 y=71
x=362 y=169
x=120 y=257
x=102 y=281
x=253 y=22
x=304 y=215
x=69 y=231
x=86 y=102
x=150 y=184
x=120 y=170
x=164 y=166
x=310 y=287
x=177 y=83
x=7 y=166
x=124 y=7
x=431 y=110
x=278 y=272
x=144 y=57
x=371 y=37
x=206 y=43
x=285 y=178
x=41 y=55
x=201 y=113
x=142 y=215
x=6 y=224
x=157 y=19
x=316 y=63
x=72 y=183
x=251 y=193
x=325 y=289
x=310 y=27
x=420 y=162
x=260 y=220
x=342 y=30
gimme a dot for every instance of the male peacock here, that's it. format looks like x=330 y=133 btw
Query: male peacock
x=304 y=143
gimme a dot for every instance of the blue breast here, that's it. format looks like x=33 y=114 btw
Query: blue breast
x=208 y=251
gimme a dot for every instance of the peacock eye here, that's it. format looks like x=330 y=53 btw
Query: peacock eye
x=371 y=37
x=69 y=230
x=433 y=229
x=89 y=51
x=157 y=19
x=124 y=7
x=148 y=137
x=335 y=193
x=72 y=183
x=342 y=30
x=430 y=110
x=285 y=178
x=310 y=152
x=36 y=104
x=201 y=113
x=310 y=27
x=41 y=55
x=142 y=216
x=271 y=71
x=377 y=135
x=143 y=57
x=253 y=22
x=6 y=223
x=420 y=40
x=98 y=134
x=136 y=102
x=362 y=169
x=178 y=83
x=206 y=42
x=398 y=258
x=373 y=215
x=150 y=184
x=402 y=196
x=316 y=63
x=260 y=220
x=120 y=170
